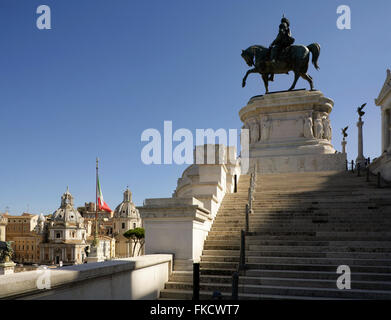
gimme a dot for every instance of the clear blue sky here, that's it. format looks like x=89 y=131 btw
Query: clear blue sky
x=110 y=69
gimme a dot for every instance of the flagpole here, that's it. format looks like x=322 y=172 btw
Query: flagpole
x=96 y=204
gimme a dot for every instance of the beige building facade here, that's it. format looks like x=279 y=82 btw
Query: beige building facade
x=25 y=241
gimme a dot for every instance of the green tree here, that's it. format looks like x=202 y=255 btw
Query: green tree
x=137 y=236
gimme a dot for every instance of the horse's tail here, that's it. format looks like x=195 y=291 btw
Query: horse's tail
x=315 y=50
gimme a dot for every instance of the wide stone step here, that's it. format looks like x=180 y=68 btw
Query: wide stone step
x=297 y=274
x=350 y=215
x=269 y=229
x=347 y=243
x=319 y=203
x=287 y=222
x=323 y=207
x=294 y=266
x=303 y=253
x=174 y=294
x=279 y=281
x=305 y=235
x=222 y=247
x=342 y=249
x=221 y=252
x=300 y=260
x=313 y=260
x=221 y=258
x=286 y=290
x=307 y=254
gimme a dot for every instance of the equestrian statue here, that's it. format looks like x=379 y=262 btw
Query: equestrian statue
x=281 y=57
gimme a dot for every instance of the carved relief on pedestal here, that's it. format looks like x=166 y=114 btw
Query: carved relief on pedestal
x=318 y=127
x=307 y=130
x=300 y=122
x=265 y=128
x=254 y=131
x=327 y=131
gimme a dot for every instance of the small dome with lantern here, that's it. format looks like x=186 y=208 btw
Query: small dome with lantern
x=66 y=212
x=126 y=209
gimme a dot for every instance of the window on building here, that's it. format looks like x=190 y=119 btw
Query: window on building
x=58 y=235
x=123 y=225
x=134 y=225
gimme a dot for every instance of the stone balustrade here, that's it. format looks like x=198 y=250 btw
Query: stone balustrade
x=132 y=278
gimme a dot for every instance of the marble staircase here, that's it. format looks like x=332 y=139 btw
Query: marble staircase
x=303 y=226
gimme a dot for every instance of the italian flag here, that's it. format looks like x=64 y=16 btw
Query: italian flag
x=102 y=205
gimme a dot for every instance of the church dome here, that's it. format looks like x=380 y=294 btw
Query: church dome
x=126 y=209
x=66 y=212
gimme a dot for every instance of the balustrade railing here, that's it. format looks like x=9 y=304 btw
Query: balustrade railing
x=380 y=181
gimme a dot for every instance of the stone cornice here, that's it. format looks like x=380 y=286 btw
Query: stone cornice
x=174 y=208
x=385 y=91
x=286 y=102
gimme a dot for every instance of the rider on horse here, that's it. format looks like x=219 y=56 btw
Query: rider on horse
x=284 y=40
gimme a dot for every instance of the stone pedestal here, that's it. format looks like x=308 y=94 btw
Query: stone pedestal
x=343 y=143
x=360 y=154
x=290 y=131
x=7 y=268
x=96 y=254
x=177 y=226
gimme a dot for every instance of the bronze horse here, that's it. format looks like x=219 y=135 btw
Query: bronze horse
x=294 y=58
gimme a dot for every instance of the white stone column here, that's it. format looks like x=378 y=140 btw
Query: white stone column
x=389 y=129
x=343 y=143
x=384 y=130
x=360 y=154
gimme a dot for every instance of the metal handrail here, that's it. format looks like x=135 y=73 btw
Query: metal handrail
x=380 y=181
x=235 y=286
x=196 y=281
x=242 y=257
x=247 y=218
x=243 y=233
